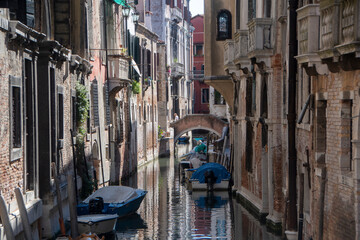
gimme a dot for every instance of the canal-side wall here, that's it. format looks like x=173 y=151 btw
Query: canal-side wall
x=146 y=100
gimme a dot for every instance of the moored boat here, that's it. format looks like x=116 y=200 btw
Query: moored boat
x=118 y=200
x=97 y=223
x=184 y=139
x=210 y=176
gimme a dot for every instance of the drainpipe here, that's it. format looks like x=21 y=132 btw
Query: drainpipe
x=292 y=63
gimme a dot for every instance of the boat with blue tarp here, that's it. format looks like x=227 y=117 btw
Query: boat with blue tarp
x=210 y=176
x=120 y=200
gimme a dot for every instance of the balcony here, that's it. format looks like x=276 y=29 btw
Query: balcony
x=340 y=35
x=176 y=14
x=177 y=69
x=241 y=49
x=308 y=22
x=118 y=73
x=349 y=34
x=197 y=75
x=329 y=25
x=229 y=54
x=260 y=34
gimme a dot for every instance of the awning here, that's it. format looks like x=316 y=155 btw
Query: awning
x=122 y=3
x=135 y=66
x=305 y=107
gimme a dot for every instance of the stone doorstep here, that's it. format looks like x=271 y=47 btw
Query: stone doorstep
x=272 y=224
x=34 y=211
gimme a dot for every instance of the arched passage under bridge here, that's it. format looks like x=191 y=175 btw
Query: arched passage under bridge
x=198 y=121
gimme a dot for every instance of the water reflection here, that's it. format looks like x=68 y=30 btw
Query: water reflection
x=170 y=211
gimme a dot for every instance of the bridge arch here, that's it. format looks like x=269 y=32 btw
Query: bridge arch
x=198 y=121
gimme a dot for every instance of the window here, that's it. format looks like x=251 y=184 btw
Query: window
x=237 y=14
x=120 y=118
x=95 y=100
x=88 y=123
x=264 y=102
x=149 y=65
x=156 y=63
x=218 y=98
x=60 y=115
x=267 y=8
x=198 y=50
x=249 y=96
x=16 y=117
x=249 y=146
x=73 y=106
x=22 y=10
x=223 y=25
x=346 y=135
x=205 y=95
x=15 y=102
x=251 y=9
x=144 y=110
x=320 y=131
x=253 y=82
x=29 y=125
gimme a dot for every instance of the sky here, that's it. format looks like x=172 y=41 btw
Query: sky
x=196 y=7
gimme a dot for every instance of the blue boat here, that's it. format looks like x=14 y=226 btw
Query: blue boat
x=118 y=200
x=184 y=139
x=210 y=176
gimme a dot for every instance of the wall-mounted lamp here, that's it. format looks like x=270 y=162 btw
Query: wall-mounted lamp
x=126 y=12
x=135 y=17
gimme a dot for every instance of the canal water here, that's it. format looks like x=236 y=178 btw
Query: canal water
x=171 y=211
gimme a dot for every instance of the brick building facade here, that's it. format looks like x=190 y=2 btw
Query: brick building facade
x=294 y=102
x=201 y=90
x=49 y=66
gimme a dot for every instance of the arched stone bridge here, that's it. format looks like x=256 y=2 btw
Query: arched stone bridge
x=198 y=121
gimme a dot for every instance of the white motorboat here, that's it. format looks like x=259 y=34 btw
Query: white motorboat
x=97 y=223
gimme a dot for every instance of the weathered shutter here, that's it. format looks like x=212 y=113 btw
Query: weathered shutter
x=137 y=51
x=149 y=72
x=106 y=102
x=30 y=13
x=145 y=63
x=155 y=66
x=62 y=24
x=186 y=14
x=95 y=99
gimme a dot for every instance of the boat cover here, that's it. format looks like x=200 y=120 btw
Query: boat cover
x=219 y=170
x=95 y=218
x=114 y=194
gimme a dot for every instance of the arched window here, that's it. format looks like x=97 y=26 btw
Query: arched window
x=223 y=25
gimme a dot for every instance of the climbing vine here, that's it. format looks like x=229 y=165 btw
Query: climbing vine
x=82 y=109
x=135 y=87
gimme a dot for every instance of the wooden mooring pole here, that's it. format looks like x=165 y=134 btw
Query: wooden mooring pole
x=5 y=220
x=23 y=214
x=72 y=207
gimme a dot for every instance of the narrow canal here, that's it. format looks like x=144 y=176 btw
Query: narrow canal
x=170 y=211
